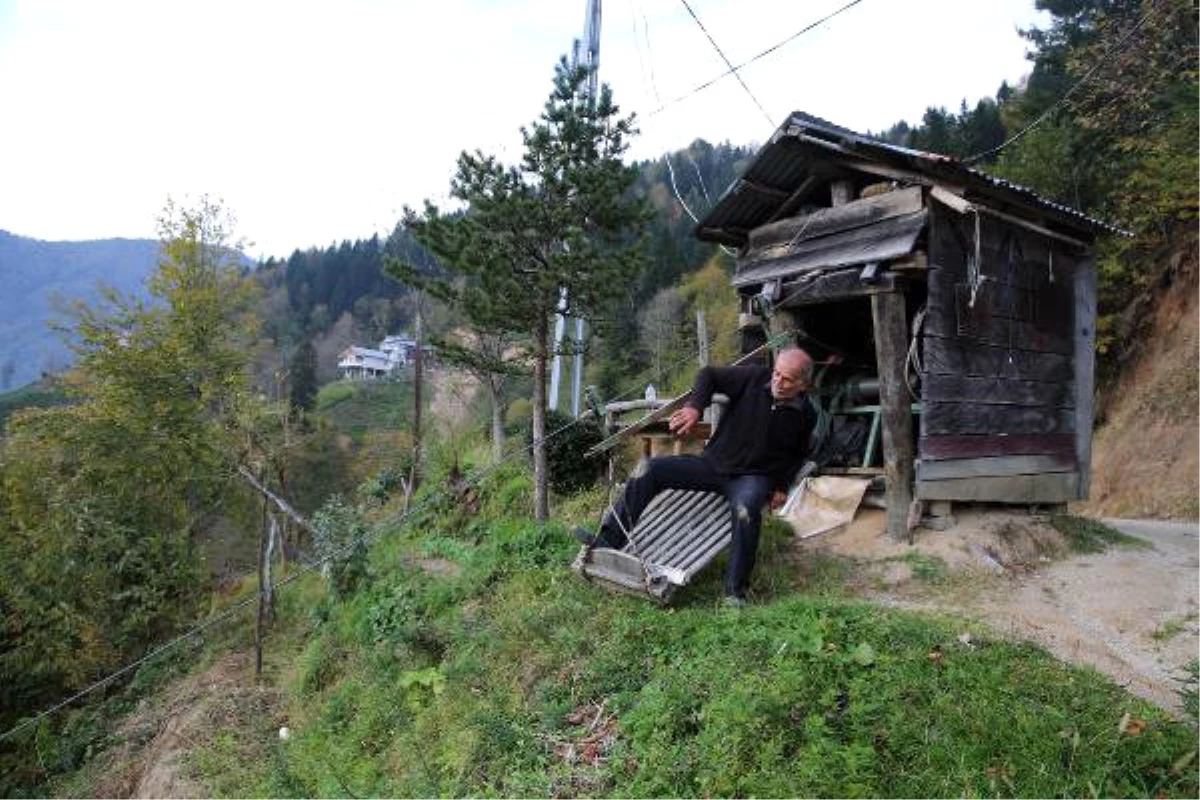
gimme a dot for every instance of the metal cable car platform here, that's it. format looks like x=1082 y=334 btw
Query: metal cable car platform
x=678 y=534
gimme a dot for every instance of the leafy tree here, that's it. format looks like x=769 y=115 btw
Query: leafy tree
x=561 y=219
x=660 y=323
x=101 y=501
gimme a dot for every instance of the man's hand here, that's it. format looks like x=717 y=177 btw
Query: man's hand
x=777 y=500
x=683 y=420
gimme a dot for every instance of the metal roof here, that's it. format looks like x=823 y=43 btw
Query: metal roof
x=805 y=148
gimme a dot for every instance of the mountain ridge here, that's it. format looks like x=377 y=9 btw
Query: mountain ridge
x=38 y=274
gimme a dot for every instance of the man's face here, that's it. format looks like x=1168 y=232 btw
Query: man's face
x=786 y=380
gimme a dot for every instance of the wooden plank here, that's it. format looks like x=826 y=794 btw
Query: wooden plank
x=961 y=205
x=888 y=240
x=961 y=322
x=671 y=406
x=891 y=347
x=998 y=466
x=954 y=356
x=987 y=418
x=1000 y=390
x=829 y=220
x=835 y=285
x=806 y=241
x=1084 y=275
x=956 y=447
x=1057 y=487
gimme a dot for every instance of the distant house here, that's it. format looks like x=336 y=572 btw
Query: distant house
x=402 y=350
x=364 y=363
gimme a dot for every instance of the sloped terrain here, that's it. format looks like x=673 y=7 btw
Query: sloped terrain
x=1146 y=452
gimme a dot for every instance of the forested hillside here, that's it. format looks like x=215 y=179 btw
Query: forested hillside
x=37 y=275
x=186 y=466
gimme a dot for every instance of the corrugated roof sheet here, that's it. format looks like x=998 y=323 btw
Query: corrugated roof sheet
x=806 y=146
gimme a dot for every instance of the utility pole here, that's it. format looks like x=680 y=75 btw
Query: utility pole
x=586 y=53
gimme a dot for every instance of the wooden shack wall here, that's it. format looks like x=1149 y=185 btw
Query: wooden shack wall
x=1000 y=394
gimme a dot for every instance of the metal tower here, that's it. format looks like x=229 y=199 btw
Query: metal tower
x=586 y=53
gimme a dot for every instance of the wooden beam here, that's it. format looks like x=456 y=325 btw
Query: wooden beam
x=1057 y=487
x=960 y=204
x=829 y=220
x=994 y=467
x=891 y=347
x=764 y=190
x=795 y=199
x=838 y=285
x=968 y=446
x=1085 y=370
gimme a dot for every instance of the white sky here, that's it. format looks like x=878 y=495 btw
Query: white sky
x=317 y=122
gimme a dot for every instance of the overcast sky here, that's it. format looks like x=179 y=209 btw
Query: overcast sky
x=316 y=122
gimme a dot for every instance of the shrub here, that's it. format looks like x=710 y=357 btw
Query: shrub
x=567 y=439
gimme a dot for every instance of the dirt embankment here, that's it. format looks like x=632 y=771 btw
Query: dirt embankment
x=156 y=741
x=1146 y=451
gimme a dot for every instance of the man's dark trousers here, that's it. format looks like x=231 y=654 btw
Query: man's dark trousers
x=747 y=494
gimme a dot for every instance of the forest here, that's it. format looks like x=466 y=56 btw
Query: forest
x=203 y=434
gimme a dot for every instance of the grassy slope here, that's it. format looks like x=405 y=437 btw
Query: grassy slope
x=43 y=394
x=469 y=660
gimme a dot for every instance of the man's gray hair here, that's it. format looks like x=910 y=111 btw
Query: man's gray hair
x=806 y=361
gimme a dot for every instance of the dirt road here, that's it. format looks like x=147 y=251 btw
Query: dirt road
x=1129 y=612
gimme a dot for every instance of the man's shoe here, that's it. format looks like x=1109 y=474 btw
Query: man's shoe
x=586 y=537
x=733 y=601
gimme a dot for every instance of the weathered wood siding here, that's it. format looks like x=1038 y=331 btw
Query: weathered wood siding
x=999 y=403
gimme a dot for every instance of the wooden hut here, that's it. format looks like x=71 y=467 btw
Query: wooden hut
x=960 y=309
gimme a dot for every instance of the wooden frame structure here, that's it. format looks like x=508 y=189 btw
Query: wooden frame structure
x=968 y=301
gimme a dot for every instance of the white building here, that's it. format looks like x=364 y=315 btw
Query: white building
x=364 y=363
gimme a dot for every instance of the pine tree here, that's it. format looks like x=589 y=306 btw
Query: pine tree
x=560 y=220
x=302 y=389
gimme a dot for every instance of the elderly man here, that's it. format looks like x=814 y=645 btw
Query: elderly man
x=752 y=458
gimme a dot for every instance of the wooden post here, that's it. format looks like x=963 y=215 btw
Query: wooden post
x=891 y=347
x=1084 y=353
x=840 y=193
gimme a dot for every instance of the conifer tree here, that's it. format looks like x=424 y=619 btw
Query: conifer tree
x=563 y=218
x=302 y=389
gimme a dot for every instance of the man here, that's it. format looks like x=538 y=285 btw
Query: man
x=751 y=459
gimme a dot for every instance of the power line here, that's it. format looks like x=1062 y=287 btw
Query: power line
x=732 y=69
x=769 y=50
x=1112 y=50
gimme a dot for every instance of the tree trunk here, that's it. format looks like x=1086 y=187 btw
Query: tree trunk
x=414 y=473
x=541 y=499
x=498 y=441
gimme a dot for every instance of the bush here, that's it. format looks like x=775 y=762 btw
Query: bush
x=567 y=439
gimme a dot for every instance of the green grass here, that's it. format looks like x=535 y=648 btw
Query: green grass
x=359 y=406
x=508 y=675
x=1085 y=535
x=1171 y=628
x=511 y=676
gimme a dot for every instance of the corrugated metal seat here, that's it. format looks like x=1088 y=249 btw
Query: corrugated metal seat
x=679 y=533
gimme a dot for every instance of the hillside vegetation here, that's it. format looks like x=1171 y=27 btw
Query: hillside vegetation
x=422 y=635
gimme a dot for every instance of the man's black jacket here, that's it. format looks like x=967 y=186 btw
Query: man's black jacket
x=756 y=434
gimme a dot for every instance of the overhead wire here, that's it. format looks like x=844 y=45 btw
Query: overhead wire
x=769 y=50
x=1112 y=50
x=732 y=69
